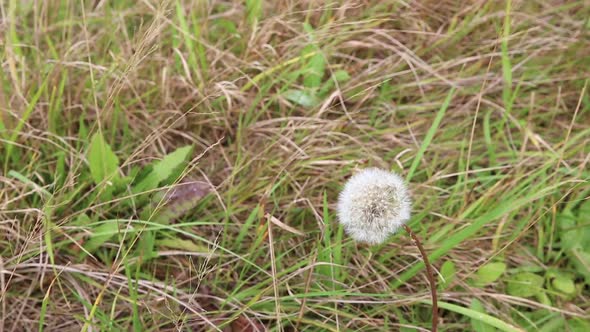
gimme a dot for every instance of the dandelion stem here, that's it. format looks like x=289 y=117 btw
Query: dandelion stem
x=429 y=275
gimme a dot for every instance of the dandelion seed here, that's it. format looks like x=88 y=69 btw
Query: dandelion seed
x=373 y=205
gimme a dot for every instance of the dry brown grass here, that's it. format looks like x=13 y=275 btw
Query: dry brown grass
x=134 y=72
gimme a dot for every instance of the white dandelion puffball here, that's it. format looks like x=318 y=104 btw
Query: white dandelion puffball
x=373 y=205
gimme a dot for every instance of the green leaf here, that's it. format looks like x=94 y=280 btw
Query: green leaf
x=101 y=234
x=228 y=27
x=246 y=227
x=172 y=163
x=301 y=98
x=479 y=325
x=574 y=235
x=583 y=225
x=326 y=252
x=563 y=284
x=489 y=273
x=584 y=210
x=165 y=168
x=314 y=72
x=554 y=325
x=82 y=220
x=23 y=118
x=168 y=170
x=483 y=317
x=447 y=274
x=544 y=299
x=506 y=64
x=569 y=235
x=581 y=261
x=146 y=244
x=525 y=284
x=102 y=161
x=430 y=134
x=180 y=244
x=253 y=11
x=578 y=325
x=341 y=75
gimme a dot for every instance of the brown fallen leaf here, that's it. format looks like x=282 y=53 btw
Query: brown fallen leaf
x=171 y=204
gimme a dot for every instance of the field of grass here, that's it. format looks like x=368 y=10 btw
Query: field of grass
x=175 y=165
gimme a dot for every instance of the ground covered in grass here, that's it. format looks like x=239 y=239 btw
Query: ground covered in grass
x=175 y=165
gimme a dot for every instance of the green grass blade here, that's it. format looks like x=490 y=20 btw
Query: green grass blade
x=506 y=64
x=482 y=317
x=512 y=204
x=430 y=134
x=23 y=120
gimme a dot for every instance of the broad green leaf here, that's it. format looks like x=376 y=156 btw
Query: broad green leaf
x=478 y=325
x=101 y=159
x=544 y=299
x=563 y=284
x=447 y=274
x=101 y=234
x=301 y=98
x=574 y=234
x=308 y=28
x=578 y=325
x=164 y=169
x=569 y=235
x=314 y=73
x=583 y=225
x=172 y=163
x=82 y=220
x=228 y=27
x=489 y=273
x=581 y=261
x=584 y=210
x=554 y=325
x=525 y=284
x=341 y=75
x=167 y=169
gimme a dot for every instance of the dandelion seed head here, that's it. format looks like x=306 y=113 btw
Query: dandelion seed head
x=373 y=205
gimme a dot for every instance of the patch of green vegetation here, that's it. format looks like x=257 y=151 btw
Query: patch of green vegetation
x=174 y=165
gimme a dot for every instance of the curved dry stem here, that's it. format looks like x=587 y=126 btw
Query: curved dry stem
x=429 y=275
